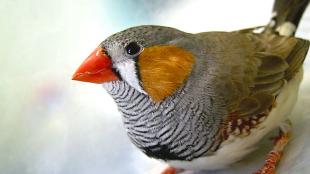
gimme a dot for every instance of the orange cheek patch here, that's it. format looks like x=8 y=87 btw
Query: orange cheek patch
x=163 y=69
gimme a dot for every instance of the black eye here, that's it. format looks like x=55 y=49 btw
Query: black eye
x=133 y=48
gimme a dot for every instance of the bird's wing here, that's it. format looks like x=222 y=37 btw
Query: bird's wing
x=254 y=68
x=280 y=58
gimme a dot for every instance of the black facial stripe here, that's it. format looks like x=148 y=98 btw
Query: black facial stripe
x=117 y=73
x=136 y=59
x=113 y=69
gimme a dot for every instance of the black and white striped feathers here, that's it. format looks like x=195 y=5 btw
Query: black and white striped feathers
x=168 y=130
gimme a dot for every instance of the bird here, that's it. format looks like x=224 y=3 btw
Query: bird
x=203 y=101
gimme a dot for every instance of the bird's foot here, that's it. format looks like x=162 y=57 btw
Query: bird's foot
x=270 y=163
x=171 y=170
x=275 y=155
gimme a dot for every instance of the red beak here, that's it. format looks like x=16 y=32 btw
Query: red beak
x=97 y=68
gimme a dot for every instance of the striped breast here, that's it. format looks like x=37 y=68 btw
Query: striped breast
x=170 y=130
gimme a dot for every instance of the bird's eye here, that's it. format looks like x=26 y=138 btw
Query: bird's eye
x=133 y=48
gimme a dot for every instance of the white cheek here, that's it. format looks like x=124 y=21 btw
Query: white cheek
x=129 y=74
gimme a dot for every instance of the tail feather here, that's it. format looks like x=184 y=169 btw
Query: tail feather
x=286 y=16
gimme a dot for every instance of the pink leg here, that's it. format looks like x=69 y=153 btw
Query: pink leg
x=275 y=155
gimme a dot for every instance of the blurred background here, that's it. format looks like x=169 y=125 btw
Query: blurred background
x=52 y=125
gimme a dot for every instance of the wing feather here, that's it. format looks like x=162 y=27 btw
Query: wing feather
x=254 y=68
x=280 y=59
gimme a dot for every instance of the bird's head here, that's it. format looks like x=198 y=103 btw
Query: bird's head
x=154 y=60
